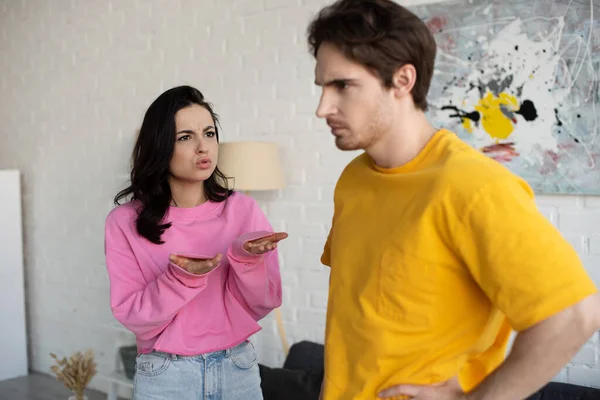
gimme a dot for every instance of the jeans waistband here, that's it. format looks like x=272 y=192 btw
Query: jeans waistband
x=219 y=353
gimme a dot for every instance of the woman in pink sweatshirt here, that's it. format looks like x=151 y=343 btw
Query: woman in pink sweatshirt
x=192 y=265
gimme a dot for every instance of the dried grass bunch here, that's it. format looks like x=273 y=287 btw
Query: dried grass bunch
x=75 y=372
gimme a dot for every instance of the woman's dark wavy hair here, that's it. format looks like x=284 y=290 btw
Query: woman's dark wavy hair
x=151 y=157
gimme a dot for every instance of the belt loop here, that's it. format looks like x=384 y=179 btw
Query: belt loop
x=227 y=353
x=173 y=356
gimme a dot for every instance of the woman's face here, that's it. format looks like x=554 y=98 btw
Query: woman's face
x=196 y=147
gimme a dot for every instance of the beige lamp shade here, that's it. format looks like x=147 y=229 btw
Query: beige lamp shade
x=253 y=165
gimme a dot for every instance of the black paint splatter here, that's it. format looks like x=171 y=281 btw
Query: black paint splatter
x=528 y=110
x=473 y=116
x=558 y=121
x=479 y=87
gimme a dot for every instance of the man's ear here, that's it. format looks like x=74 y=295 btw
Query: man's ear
x=404 y=80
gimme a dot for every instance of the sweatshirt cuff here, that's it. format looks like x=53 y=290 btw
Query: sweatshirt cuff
x=187 y=278
x=237 y=247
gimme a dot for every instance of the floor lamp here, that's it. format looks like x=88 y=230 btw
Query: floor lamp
x=254 y=166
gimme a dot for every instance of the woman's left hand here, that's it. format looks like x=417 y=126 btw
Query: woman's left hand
x=264 y=244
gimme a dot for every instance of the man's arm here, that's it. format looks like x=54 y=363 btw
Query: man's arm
x=535 y=278
x=539 y=352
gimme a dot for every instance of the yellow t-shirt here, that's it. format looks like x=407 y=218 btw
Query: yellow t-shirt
x=432 y=263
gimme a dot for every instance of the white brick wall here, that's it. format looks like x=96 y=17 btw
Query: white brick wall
x=75 y=80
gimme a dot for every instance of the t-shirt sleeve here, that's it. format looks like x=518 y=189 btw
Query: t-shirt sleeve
x=518 y=258
x=326 y=255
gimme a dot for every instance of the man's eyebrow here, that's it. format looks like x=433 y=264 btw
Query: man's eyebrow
x=334 y=82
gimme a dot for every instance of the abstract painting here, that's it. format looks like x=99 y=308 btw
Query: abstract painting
x=518 y=80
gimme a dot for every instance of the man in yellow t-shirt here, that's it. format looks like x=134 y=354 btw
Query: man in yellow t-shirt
x=436 y=251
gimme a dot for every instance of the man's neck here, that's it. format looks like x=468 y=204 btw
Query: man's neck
x=187 y=194
x=403 y=143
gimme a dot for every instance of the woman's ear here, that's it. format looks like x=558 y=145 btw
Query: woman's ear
x=404 y=80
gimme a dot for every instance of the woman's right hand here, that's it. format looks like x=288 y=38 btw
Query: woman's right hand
x=197 y=266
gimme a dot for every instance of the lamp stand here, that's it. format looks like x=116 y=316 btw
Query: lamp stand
x=279 y=320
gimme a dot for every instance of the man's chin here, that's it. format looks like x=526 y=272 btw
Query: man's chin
x=344 y=145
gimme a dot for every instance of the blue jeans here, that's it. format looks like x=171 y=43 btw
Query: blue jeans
x=230 y=374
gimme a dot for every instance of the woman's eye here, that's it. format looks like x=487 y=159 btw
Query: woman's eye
x=210 y=134
x=183 y=138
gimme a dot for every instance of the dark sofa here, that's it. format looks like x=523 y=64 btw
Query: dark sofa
x=302 y=374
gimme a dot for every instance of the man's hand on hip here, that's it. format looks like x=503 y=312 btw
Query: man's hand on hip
x=449 y=390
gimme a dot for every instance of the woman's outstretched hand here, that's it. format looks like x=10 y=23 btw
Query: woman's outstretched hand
x=197 y=266
x=264 y=244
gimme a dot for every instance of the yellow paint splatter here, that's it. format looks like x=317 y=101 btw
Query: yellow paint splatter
x=466 y=123
x=493 y=120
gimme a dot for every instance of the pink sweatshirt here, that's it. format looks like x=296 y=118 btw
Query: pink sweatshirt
x=172 y=310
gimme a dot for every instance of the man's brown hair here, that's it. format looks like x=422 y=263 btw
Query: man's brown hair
x=381 y=35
